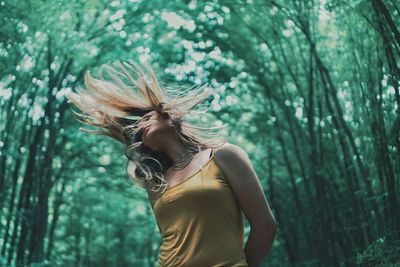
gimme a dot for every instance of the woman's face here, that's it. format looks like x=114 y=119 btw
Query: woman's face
x=159 y=128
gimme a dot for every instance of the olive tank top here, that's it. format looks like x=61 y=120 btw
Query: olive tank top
x=201 y=222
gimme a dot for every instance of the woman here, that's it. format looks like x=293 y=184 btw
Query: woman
x=198 y=185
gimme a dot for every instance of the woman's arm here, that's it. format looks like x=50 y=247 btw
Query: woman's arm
x=236 y=166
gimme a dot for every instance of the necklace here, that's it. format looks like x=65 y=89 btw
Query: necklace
x=185 y=160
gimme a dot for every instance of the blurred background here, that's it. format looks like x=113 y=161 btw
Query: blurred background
x=310 y=89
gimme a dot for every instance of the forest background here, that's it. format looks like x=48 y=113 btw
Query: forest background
x=309 y=89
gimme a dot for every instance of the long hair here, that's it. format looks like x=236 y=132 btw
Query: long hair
x=117 y=104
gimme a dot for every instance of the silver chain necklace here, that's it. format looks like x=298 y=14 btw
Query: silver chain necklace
x=185 y=160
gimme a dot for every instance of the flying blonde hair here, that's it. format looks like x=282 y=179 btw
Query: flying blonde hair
x=118 y=106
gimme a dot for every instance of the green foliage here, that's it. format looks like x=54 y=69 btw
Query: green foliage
x=384 y=251
x=310 y=90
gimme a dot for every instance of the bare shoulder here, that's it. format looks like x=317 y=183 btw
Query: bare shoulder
x=229 y=154
x=233 y=160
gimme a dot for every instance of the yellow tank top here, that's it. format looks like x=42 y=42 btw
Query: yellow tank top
x=201 y=222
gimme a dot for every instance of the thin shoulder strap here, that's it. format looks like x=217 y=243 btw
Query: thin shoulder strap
x=211 y=153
